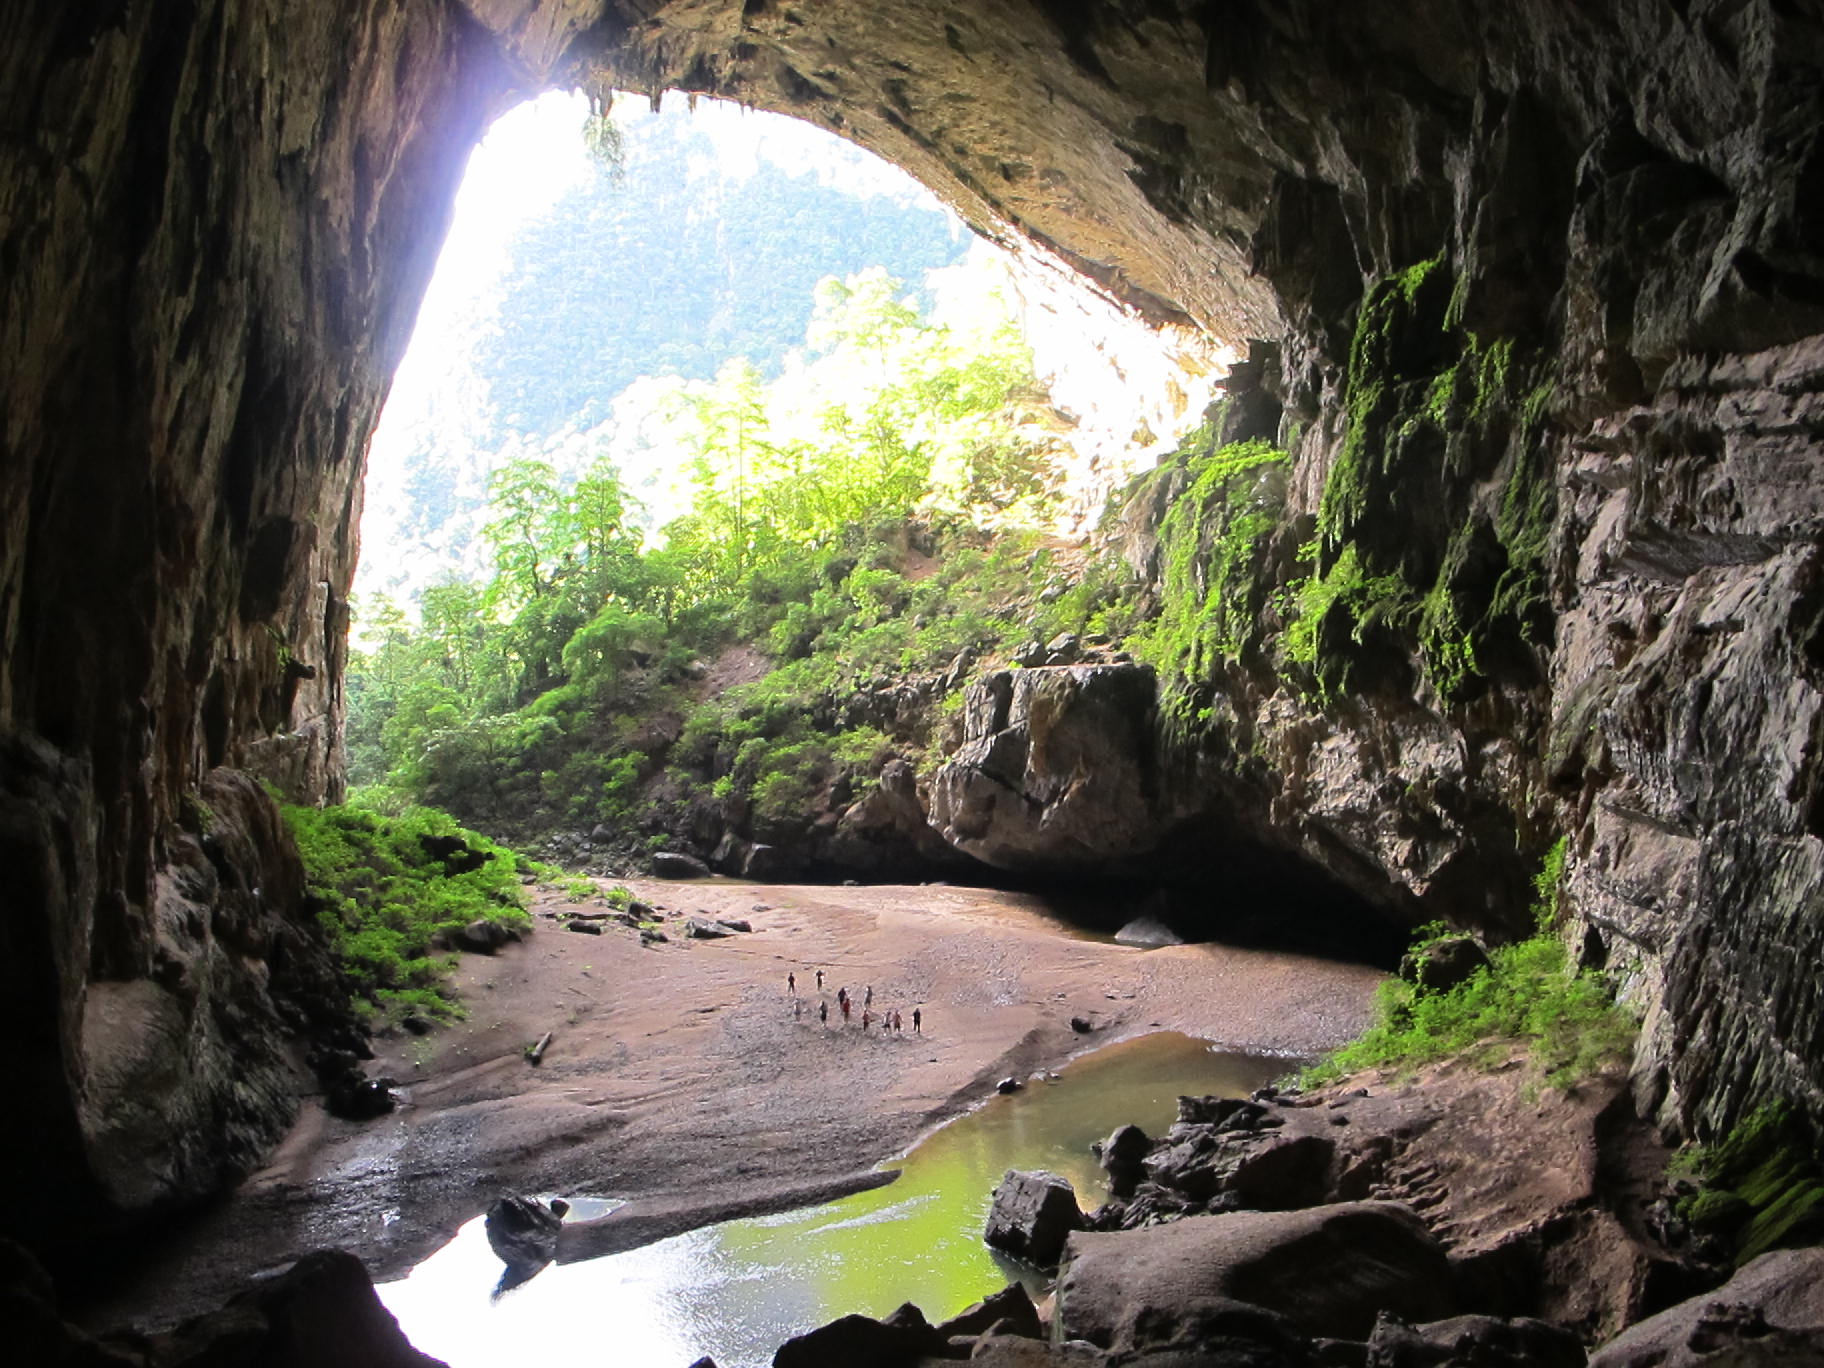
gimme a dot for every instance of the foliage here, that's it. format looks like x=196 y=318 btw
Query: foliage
x=1529 y=992
x=385 y=898
x=835 y=520
x=1212 y=540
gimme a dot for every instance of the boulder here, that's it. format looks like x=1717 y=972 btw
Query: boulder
x=586 y=928
x=701 y=928
x=482 y=937
x=355 y=1097
x=1056 y=770
x=1215 y=1332
x=1273 y=1172
x=1769 y=1315
x=671 y=864
x=1329 y=1270
x=763 y=861
x=1147 y=932
x=523 y=1232
x=1484 y=1341
x=1031 y=1215
x=899 y=1341
x=322 y=1310
x=1010 y=1311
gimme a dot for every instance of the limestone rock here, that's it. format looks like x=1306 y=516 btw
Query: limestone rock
x=672 y=864
x=1329 y=1270
x=1030 y=1216
x=1769 y=1315
x=1055 y=770
x=899 y=1341
x=1486 y=1341
x=1148 y=932
x=523 y=1232
x=1011 y=1309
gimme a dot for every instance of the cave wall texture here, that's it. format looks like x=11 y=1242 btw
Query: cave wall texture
x=217 y=218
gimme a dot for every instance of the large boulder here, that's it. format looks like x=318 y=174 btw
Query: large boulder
x=899 y=1341
x=672 y=864
x=523 y=1232
x=1011 y=1309
x=1769 y=1315
x=1330 y=1271
x=1482 y=1341
x=320 y=1311
x=1031 y=1216
x=1055 y=770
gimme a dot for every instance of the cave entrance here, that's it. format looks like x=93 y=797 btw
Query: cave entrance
x=714 y=431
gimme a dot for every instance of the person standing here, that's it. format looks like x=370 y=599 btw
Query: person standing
x=845 y=1010
x=820 y=980
x=791 y=984
x=867 y=1018
x=868 y=998
x=918 y=1018
x=797 y=1007
x=823 y=1013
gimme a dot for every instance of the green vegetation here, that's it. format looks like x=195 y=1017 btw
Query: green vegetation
x=853 y=522
x=1529 y=992
x=1212 y=544
x=1760 y=1186
x=389 y=889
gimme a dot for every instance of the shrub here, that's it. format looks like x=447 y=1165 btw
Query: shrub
x=1528 y=992
x=384 y=897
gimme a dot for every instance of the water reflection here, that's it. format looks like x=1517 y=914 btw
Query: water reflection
x=735 y=1291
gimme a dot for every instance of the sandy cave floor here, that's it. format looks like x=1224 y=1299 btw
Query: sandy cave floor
x=679 y=1076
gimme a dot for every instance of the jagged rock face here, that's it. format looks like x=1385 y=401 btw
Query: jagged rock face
x=1057 y=770
x=216 y=219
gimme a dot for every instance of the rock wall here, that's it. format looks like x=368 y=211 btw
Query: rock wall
x=216 y=217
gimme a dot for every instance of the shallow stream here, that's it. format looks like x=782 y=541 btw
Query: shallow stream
x=736 y=1290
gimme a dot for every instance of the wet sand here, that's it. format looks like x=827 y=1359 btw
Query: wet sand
x=679 y=1075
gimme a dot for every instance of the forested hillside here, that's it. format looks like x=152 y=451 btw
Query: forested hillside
x=701 y=242
x=857 y=519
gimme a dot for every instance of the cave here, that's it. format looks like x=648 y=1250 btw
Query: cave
x=220 y=216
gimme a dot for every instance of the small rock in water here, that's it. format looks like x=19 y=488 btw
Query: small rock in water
x=523 y=1232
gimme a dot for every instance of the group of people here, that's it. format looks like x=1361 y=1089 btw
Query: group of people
x=891 y=1020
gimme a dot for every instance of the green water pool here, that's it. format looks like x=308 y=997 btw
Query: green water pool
x=734 y=1291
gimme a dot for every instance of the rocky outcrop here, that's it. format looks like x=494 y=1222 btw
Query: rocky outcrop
x=1056 y=769
x=1771 y=1313
x=1544 y=287
x=320 y=1311
x=1329 y=1270
x=1543 y=1205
